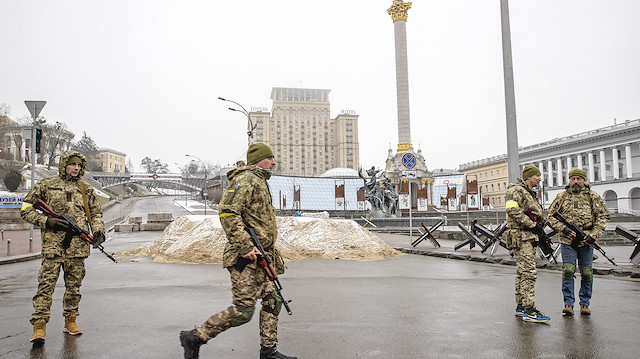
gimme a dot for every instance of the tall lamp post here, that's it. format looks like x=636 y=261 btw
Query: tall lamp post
x=250 y=125
x=205 y=182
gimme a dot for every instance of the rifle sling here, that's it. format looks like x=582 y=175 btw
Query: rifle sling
x=86 y=204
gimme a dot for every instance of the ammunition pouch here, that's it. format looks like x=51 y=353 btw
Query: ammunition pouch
x=512 y=237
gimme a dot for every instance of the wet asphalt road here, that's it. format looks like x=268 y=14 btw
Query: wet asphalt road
x=406 y=307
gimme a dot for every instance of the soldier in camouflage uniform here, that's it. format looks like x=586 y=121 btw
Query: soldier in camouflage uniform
x=586 y=209
x=246 y=203
x=64 y=194
x=522 y=240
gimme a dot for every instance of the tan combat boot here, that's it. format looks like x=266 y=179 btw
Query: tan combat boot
x=38 y=332
x=71 y=327
x=584 y=310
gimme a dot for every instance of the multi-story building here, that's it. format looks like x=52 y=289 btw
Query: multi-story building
x=492 y=177
x=304 y=138
x=110 y=160
x=610 y=156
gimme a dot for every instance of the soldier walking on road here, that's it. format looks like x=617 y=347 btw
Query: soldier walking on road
x=521 y=238
x=246 y=203
x=67 y=194
x=584 y=208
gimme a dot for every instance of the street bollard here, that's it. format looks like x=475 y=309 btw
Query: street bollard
x=2 y=231
x=30 y=244
x=8 y=247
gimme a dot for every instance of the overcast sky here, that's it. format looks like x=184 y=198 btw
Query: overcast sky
x=143 y=77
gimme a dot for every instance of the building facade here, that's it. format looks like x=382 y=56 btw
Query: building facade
x=610 y=156
x=110 y=161
x=304 y=138
x=16 y=142
x=492 y=176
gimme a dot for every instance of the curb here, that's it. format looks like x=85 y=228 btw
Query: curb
x=512 y=262
x=19 y=258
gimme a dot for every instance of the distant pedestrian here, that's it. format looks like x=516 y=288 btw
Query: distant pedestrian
x=67 y=194
x=584 y=208
x=522 y=240
x=246 y=203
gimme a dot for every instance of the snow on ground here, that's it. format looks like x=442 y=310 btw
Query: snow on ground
x=200 y=239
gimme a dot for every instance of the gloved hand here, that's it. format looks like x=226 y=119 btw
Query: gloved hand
x=57 y=224
x=98 y=238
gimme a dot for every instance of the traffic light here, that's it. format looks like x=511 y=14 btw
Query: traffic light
x=38 y=138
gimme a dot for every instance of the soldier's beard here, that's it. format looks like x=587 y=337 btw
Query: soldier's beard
x=575 y=188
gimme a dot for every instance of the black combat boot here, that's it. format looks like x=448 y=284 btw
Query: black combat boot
x=191 y=344
x=273 y=353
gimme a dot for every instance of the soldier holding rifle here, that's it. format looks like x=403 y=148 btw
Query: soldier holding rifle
x=522 y=238
x=246 y=204
x=585 y=209
x=67 y=194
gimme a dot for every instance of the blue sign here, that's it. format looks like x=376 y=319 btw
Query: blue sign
x=409 y=160
x=11 y=202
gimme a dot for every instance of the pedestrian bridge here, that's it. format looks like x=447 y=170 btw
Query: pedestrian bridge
x=189 y=182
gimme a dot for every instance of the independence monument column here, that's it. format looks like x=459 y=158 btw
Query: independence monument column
x=398 y=12
x=406 y=167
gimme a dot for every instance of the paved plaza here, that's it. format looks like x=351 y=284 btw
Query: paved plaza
x=412 y=306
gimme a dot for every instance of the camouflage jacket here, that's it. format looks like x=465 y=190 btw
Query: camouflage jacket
x=247 y=203
x=63 y=194
x=585 y=209
x=519 y=198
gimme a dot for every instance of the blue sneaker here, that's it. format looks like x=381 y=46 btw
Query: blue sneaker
x=535 y=316
x=519 y=310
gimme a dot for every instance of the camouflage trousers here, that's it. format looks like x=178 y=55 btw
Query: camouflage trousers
x=525 y=274
x=247 y=286
x=74 y=272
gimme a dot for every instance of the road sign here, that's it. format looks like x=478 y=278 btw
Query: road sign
x=35 y=107
x=409 y=160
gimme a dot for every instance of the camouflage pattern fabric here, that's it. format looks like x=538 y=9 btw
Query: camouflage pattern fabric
x=74 y=272
x=526 y=274
x=247 y=202
x=519 y=197
x=246 y=291
x=63 y=194
x=585 y=209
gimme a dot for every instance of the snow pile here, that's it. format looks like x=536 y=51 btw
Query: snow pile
x=200 y=239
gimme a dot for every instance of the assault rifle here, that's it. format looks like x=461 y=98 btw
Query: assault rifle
x=265 y=262
x=581 y=236
x=544 y=242
x=74 y=229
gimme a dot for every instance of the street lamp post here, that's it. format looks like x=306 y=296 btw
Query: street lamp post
x=250 y=125
x=205 y=182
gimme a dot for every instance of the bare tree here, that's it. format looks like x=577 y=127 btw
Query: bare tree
x=154 y=166
x=55 y=137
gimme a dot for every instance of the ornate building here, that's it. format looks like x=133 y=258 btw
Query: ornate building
x=610 y=156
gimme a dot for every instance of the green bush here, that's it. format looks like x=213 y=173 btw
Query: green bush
x=12 y=180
